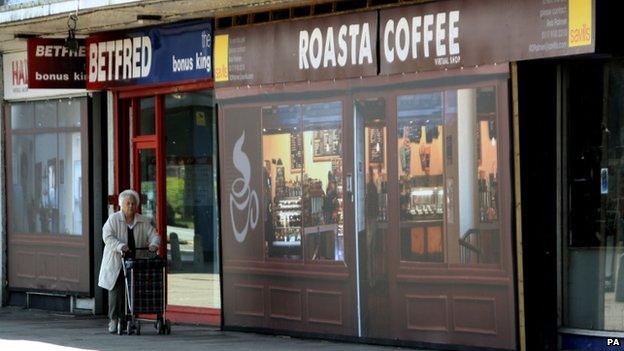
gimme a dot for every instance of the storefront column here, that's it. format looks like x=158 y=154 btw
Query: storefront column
x=3 y=245
x=466 y=131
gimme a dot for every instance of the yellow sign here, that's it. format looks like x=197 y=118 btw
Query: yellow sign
x=579 y=23
x=200 y=118
x=221 y=55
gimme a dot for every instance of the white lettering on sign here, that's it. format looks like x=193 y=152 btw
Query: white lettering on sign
x=430 y=35
x=318 y=50
x=120 y=59
x=58 y=51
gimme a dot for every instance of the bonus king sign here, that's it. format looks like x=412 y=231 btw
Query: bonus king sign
x=51 y=65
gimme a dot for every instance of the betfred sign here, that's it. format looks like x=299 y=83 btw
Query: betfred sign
x=52 y=66
x=174 y=53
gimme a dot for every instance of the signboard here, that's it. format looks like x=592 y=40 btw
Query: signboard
x=16 y=80
x=452 y=34
x=432 y=36
x=51 y=65
x=314 y=49
x=173 y=53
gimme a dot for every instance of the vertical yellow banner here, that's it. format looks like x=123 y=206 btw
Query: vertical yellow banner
x=221 y=55
x=579 y=22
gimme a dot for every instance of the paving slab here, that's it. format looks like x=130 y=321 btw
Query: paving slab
x=25 y=329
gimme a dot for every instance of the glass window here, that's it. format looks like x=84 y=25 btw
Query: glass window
x=421 y=174
x=192 y=223
x=448 y=176
x=70 y=183
x=283 y=155
x=46 y=182
x=23 y=115
x=46 y=114
x=302 y=153
x=47 y=168
x=70 y=111
x=593 y=279
x=23 y=209
x=323 y=207
x=147 y=113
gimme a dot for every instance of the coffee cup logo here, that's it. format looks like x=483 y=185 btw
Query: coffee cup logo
x=242 y=197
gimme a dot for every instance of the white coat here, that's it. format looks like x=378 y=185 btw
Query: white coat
x=115 y=236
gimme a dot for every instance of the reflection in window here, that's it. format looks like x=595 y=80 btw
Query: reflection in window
x=47 y=168
x=593 y=286
x=421 y=172
x=372 y=188
x=302 y=151
x=147 y=124
x=192 y=224
x=23 y=115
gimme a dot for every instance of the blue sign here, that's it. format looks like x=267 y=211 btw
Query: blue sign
x=149 y=56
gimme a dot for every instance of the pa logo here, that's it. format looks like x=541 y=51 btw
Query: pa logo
x=613 y=342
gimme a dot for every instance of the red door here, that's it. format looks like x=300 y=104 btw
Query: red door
x=151 y=128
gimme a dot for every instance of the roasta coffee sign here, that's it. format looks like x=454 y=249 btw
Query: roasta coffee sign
x=452 y=34
x=313 y=49
x=52 y=66
x=174 y=53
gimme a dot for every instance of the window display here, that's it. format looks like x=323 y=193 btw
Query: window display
x=302 y=146
x=47 y=166
x=421 y=175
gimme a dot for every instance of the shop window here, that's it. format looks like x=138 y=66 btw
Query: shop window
x=46 y=114
x=593 y=266
x=69 y=112
x=448 y=177
x=22 y=116
x=421 y=172
x=283 y=155
x=47 y=194
x=323 y=207
x=147 y=113
x=303 y=190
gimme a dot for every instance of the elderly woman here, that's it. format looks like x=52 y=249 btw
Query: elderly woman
x=123 y=232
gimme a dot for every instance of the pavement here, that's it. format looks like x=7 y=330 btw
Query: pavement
x=35 y=330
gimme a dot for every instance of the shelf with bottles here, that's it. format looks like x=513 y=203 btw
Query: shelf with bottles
x=488 y=197
x=422 y=203
x=287 y=236
x=287 y=213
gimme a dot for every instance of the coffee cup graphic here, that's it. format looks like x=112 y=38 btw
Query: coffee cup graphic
x=243 y=200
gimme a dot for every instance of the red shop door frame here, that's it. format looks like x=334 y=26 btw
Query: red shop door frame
x=125 y=103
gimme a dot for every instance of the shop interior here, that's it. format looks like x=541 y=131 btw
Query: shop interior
x=303 y=189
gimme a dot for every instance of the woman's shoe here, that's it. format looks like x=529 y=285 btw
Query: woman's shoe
x=112 y=326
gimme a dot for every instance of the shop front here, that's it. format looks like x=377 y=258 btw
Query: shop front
x=49 y=157
x=366 y=173
x=164 y=143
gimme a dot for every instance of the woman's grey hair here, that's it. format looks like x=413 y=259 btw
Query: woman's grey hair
x=127 y=193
